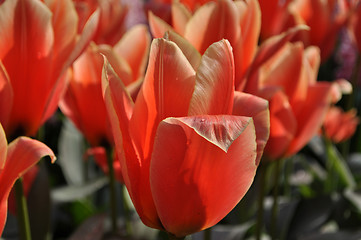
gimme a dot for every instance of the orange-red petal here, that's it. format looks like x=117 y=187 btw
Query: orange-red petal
x=158 y=27
x=26 y=41
x=135 y=173
x=6 y=96
x=283 y=124
x=311 y=116
x=213 y=22
x=167 y=90
x=134 y=48
x=201 y=168
x=214 y=87
x=252 y=106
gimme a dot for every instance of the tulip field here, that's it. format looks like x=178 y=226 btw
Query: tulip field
x=179 y=119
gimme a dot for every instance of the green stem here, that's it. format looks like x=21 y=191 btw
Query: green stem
x=22 y=211
x=173 y=237
x=207 y=234
x=260 y=200
x=127 y=215
x=112 y=187
x=331 y=182
x=288 y=172
x=274 y=216
x=338 y=173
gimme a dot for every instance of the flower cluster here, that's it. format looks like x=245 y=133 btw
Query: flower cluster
x=185 y=108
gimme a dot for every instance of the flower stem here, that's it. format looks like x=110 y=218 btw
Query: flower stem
x=22 y=211
x=274 y=216
x=260 y=200
x=113 y=197
x=126 y=209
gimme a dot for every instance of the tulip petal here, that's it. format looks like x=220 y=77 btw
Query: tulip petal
x=60 y=86
x=167 y=90
x=118 y=63
x=201 y=168
x=22 y=154
x=26 y=41
x=252 y=106
x=83 y=102
x=311 y=117
x=158 y=27
x=193 y=56
x=214 y=88
x=267 y=50
x=288 y=64
x=134 y=48
x=6 y=96
x=180 y=17
x=64 y=21
x=120 y=108
x=211 y=23
x=313 y=60
x=3 y=148
x=283 y=124
x=246 y=46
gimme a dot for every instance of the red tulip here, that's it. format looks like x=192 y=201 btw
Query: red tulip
x=83 y=102
x=15 y=159
x=325 y=19
x=339 y=125
x=239 y=22
x=285 y=74
x=179 y=144
x=38 y=42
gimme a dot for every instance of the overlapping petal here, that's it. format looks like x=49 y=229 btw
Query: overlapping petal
x=184 y=111
x=311 y=116
x=34 y=39
x=252 y=106
x=211 y=23
x=214 y=88
x=185 y=178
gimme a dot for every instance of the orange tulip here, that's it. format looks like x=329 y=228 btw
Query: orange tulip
x=239 y=22
x=179 y=144
x=339 y=125
x=111 y=25
x=325 y=19
x=285 y=74
x=38 y=42
x=83 y=101
x=15 y=159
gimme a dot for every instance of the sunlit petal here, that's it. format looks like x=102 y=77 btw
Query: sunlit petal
x=214 y=88
x=201 y=167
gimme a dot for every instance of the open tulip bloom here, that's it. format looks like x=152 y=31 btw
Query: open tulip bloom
x=190 y=144
x=15 y=159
